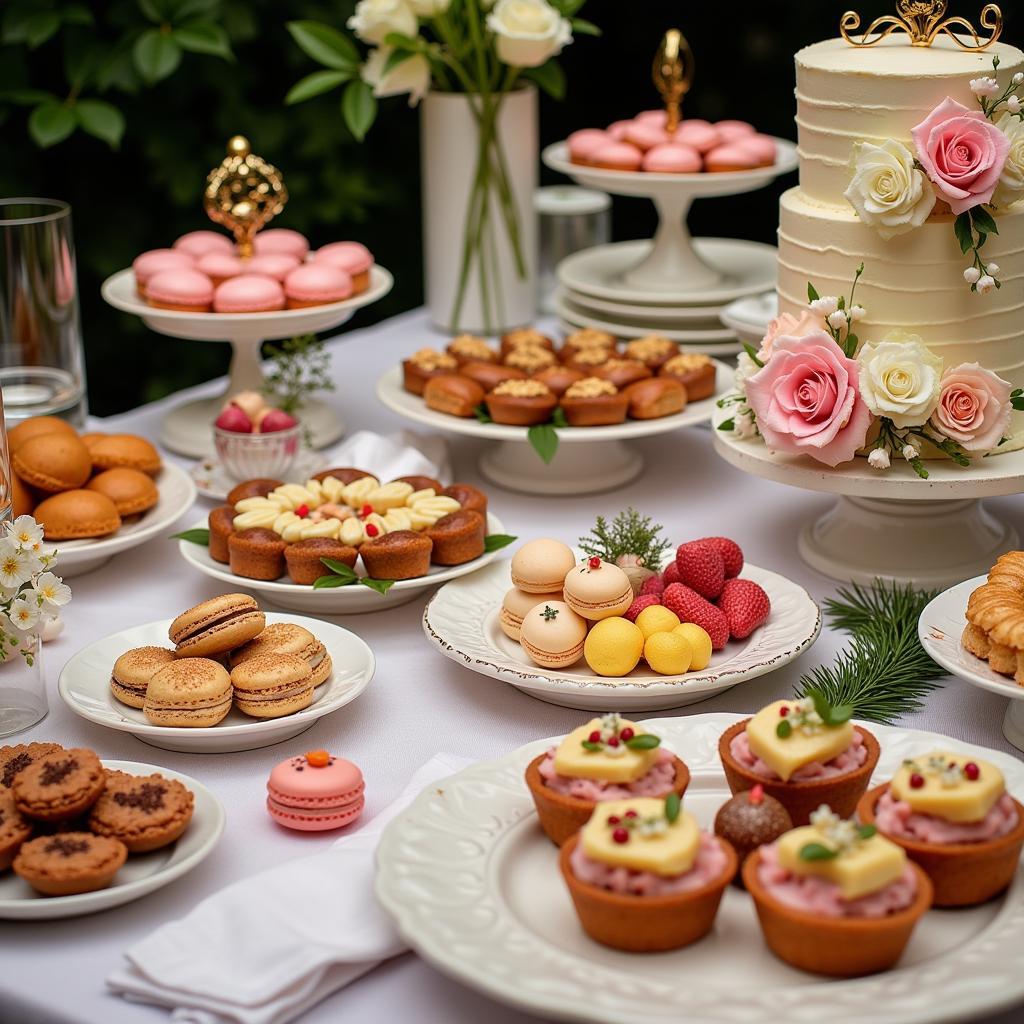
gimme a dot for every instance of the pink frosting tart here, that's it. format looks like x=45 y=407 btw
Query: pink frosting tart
x=815 y=895
x=849 y=760
x=617 y=156
x=585 y=141
x=709 y=864
x=185 y=290
x=277 y=265
x=314 y=284
x=672 y=158
x=352 y=257
x=148 y=264
x=219 y=266
x=657 y=782
x=248 y=293
x=699 y=134
x=896 y=818
x=646 y=135
x=199 y=243
x=315 y=792
x=278 y=240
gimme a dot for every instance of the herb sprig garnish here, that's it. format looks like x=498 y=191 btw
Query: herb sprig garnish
x=343 y=575
x=629 y=533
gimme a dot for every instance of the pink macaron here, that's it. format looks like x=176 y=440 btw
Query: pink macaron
x=277 y=265
x=248 y=293
x=730 y=131
x=219 y=266
x=699 y=134
x=617 y=129
x=352 y=257
x=187 y=291
x=672 y=158
x=149 y=264
x=584 y=142
x=659 y=118
x=278 y=240
x=315 y=284
x=617 y=156
x=733 y=157
x=199 y=243
x=315 y=792
x=646 y=135
x=762 y=146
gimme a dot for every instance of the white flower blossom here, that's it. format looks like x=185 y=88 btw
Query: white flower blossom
x=17 y=566
x=972 y=275
x=1011 y=179
x=53 y=591
x=910 y=452
x=24 y=614
x=1013 y=104
x=878 y=459
x=824 y=306
x=888 y=190
x=26 y=532
x=993 y=269
x=837 y=321
x=374 y=20
x=411 y=77
x=857 y=313
x=528 y=32
x=53 y=626
x=745 y=369
x=984 y=86
x=986 y=284
x=900 y=378
x=744 y=425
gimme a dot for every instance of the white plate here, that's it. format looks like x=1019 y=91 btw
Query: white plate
x=474 y=886
x=142 y=874
x=214 y=482
x=750 y=317
x=177 y=495
x=351 y=600
x=717 y=337
x=396 y=398
x=749 y=268
x=461 y=620
x=673 y=314
x=84 y=685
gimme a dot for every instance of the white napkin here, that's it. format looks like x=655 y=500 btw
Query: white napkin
x=267 y=948
x=403 y=454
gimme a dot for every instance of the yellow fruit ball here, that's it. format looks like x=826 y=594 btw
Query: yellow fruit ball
x=668 y=653
x=656 y=619
x=700 y=644
x=613 y=647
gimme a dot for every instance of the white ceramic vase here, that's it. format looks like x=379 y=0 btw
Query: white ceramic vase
x=449 y=151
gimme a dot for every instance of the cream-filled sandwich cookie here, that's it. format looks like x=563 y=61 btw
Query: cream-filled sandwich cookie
x=539 y=566
x=597 y=589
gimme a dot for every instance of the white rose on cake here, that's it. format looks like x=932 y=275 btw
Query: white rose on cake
x=900 y=379
x=412 y=76
x=528 y=32
x=374 y=20
x=887 y=190
x=1011 y=181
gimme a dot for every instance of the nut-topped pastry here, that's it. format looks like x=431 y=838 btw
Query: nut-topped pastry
x=594 y=402
x=953 y=816
x=694 y=371
x=621 y=372
x=525 y=337
x=588 y=360
x=643 y=875
x=836 y=898
x=608 y=758
x=559 y=378
x=530 y=358
x=585 y=338
x=424 y=364
x=521 y=403
x=468 y=348
x=653 y=351
x=804 y=752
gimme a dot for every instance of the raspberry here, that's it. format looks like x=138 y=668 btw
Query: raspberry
x=639 y=604
x=691 y=607
x=701 y=567
x=671 y=573
x=745 y=606
x=731 y=554
x=652 y=585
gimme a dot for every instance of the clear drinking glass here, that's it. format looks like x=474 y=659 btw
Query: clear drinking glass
x=42 y=370
x=23 y=699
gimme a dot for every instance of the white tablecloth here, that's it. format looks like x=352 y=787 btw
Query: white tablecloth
x=418 y=704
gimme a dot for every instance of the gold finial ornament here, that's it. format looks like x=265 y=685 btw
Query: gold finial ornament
x=924 y=21
x=244 y=193
x=673 y=74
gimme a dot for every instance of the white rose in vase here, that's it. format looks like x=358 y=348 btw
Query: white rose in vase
x=374 y=20
x=1011 y=181
x=900 y=379
x=412 y=76
x=528 y=32
x=887 y=190
x=429 y=8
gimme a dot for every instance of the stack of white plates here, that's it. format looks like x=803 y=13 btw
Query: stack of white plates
x=593 y=293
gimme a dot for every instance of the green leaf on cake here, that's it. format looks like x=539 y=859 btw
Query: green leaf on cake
x=497 y=541
x=984 y=222
x=196 y=536
x=817 y=851
x=645 y=741
x=812 y=293
x=544 y=439
x=673 y=805
x=964 y=232
x=831 y=714
x=727 y=426
x=752 y=352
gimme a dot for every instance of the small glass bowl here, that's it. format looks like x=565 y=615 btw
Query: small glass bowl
x=249 y=456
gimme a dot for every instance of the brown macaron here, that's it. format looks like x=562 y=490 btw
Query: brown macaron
x=75 y=515
x=453 y=395
x=288 y=638
x=131 y=490
x=189 y=693
x=125 y=450
x=257 y=554
x=258 y=488
x=220 y=523
x=216 y=626
x=656 y=397
x=132 y=672
x=272 y=685
x=53 y=462
x=37 y=426
x=457 y=537
x=402 y=555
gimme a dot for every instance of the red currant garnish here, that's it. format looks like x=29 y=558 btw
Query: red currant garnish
x=916 y=781
x=756 y=796
x=594 y=737
x=626 y=735
x=784 y=710
x=595 y=562
x=371 y=530
x=621 y=835
x=630 y=814
x=613 y=741
x=972 y=771
x=614 y=819
x=302 y=511
x=366 y=510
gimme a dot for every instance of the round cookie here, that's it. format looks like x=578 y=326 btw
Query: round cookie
x=553 y=635
x=15 y=829
x=14 y=759
x=131 y=490
x=37 y=426
x=60 y=785
x=132 y=672
x=597 y=590
x=288 y=638
x=272 y=685
x=70 y=863
x=515 y=606
x=189 y=693
x=53 y=462
x=145 y=812
x=540 y=566
x=115 y=450
x=216 y=626
x=315 y=792
x=74 y=515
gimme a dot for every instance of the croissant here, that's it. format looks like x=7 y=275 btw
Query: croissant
x=995 y=618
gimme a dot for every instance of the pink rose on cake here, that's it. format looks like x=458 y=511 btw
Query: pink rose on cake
x=807 y=401
x=974 y=407
x=962 y=152
x=785 y=325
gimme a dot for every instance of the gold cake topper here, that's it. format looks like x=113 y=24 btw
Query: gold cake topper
x=244 y=193
x=924 y=21
x=673 y=74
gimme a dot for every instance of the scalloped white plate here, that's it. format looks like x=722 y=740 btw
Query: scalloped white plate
x=461 y=620
x=474 y=886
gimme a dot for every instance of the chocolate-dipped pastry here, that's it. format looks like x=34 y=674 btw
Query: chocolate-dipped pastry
x=749 y=820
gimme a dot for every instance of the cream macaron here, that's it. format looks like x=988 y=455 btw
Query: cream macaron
x=216 y=626
x=515 y=606
x=539 y=566
x=272 y=685
x=189 y=693
x=553 y=635
x=132 y=672
x=288 y=638
x=597 y=589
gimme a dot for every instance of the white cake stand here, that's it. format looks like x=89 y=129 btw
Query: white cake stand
x=588 y=459
x=891 y=524
x=187 y=429
x=672 y=265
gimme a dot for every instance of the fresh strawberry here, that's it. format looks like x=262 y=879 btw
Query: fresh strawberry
x=745 y=605
x=731 y=554
x=701 y=567
x=691 y=607
x=653 y=585
x=671 y=573
x=639 y=604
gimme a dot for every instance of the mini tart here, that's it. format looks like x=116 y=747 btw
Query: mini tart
x=593 y=402
x=561 y=815
x=258 y=488
x=490 y=375
x=453 y=395
x=587 y=360
x=525 y=337
x=457 y=537
x=60 y=785
x=424 y=364
x=15 y=829
x=145 y=812
x=654 y=398
x=840 y=947
x=622 y=372
x=53 y=462
x=559 y=378
x=131 y=490
x=257 y=554
x=17 y=757
x=113 y=450
x=220 y=524
x=653 y=351
x=76 y=515
x=695 y=372
x=467 y=348
x=468 y=496
x=963 y=874
x=802 y=798
x=304 y=558
x=521 y=403
x=586 y=338
x=401 y=555
x=70 y=863
x=530 y=358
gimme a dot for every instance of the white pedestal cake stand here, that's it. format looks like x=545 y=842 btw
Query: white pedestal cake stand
x=891 y=524
x=588 y=459
x=186 y=429
x=672 y=264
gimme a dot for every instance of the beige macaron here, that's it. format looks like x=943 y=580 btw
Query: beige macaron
x=216 y=626
x=272 y=685
x=539 y=566
x=516 y=604
x=288 y=638
x=191 y=693
x=553 y=635
x=597 y=590
x=132 y=672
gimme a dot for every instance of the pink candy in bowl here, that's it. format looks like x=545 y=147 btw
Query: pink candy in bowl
x=255 y=440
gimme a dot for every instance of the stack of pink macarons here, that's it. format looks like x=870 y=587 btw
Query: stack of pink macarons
x=645 y=144
x=203 y=272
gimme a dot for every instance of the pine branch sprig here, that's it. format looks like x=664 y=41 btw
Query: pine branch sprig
x=629 y=533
